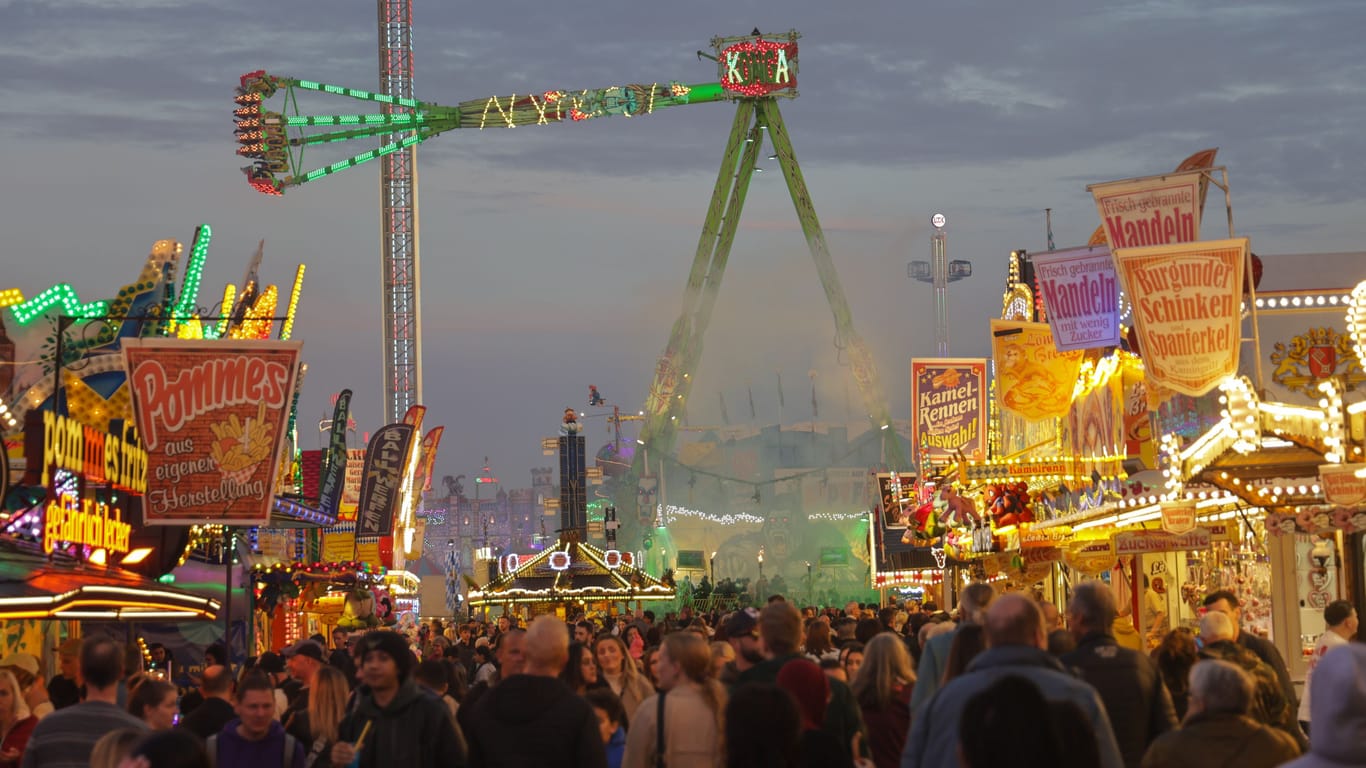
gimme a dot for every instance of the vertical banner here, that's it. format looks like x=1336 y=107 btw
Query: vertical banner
x=386 y=459
x=1033 y=379
x=949 y=400
x=213 y=417
x=1080 y=292
x=350 y=496
x=430 y=444
x=1186 y=310
x=1158 y=210
x=334 y=464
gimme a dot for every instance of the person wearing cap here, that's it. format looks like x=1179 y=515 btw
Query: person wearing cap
x=272 y=665
x=303 y=659
x=65 y=689
x=395 y=722
x=741 y=630
x=26 y=671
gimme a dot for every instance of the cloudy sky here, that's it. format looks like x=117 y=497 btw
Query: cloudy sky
x=555 y=257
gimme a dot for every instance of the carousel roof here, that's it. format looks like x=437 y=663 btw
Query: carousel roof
x=572 y=571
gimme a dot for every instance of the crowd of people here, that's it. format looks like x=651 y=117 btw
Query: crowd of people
x=1007 y=680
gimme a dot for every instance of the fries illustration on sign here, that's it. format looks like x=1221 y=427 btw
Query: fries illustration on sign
x=239 y=445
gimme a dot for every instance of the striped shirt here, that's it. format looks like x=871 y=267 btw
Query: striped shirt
x=65 y=738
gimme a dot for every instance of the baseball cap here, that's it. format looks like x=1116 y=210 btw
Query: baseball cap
x=70 y=647
x=742 y=622
x=271 y=662
x=24 y=661
x=310 y=648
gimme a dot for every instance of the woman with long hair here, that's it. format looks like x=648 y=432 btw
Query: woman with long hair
x=154 y=702
x=883 y=691
x=16 y=721
x=648 y=663
x=1175 y=656
x=818 y=645
x=618 y=670
x=580 y=673
x=326 y=707
x=690 y=709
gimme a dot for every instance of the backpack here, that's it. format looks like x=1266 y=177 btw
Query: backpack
x=287 y=761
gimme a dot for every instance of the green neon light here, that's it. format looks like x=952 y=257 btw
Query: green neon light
x=194 y=274
x=363 y=157
x=403 y=118
x=60 y=295
x=311 y=85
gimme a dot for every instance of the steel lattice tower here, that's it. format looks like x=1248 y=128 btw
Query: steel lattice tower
x=399 y=236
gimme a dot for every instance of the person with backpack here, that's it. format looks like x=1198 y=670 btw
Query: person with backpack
x=254 y=739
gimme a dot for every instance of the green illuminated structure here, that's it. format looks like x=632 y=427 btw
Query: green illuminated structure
x=754 y=71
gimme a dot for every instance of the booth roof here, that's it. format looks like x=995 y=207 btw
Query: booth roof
x=36 y=587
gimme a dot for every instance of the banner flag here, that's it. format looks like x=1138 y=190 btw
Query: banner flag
x=1158 y=210
x=949 y=407
x=213 y=417
x=1080 y=293
x=1187 y=310
x=1033 y=379
x=334 y=471
x=386 y=459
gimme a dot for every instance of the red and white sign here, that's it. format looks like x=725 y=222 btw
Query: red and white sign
x=1187 y=310
x=1080 y=292
x=1178 y=517
x=1146 y=542
x=1159 y=210
x=213 y=416
x=1344 y=485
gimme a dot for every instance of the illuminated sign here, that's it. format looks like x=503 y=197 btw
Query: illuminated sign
x=756 y=67
x=86 y=522
x=57 y=442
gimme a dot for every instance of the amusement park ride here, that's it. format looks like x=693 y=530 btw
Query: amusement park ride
x=755 y=70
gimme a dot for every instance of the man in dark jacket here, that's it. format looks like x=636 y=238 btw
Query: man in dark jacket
x=1269 y=705
x=1136 y=699
x=216 y=710
x=533 y=718
x=395 y=722
x=1227 y=603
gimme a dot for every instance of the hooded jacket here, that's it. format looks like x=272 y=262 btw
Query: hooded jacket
x=532 y=720
x=414 y=730
x=1338 y=705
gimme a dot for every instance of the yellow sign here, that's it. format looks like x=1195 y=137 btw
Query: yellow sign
x=85 y=521
x=368 y=552
x=101 y=457
x=1033 y=379
x=338 y=547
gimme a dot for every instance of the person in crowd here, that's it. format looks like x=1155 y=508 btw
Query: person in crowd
x=327 y=704
x=1052 y=617
x=16 y=721
x=1015 y=646
x=844 y=628
x=584 y=632
x=865 y=629
x=1217 y=730
x=1337 y=708
x=648 y=663
x=485 y=670
x=508 y=652
x=818 y=644
x=533 y=718
x=969 y=640
x=934 y=656
x=216 y=654
x=431 y=675
x=303 y=659
x=1227 y=603
x=394 y=722
x=170 y=749
x=618 y=670
x=272 y=665
x=1340 y=618
x=763 y=728
x=254 y=739
x=851 y=658
x=154 y=702
x=883 y=692
x=834 y=670
x=217 y=710
x=341 y=657
x=612 y=724
x=1061 y=642
x=721 y=654
x=1175 y=656
x=741 y=631
x=1008 y=723
x=65 y=688
x=690 y=709
x=114 y=747
x=634 y=639
x=581 y=671
x=810 y=688
x=65 y=738
x=28 y=672
x=1269 y=705
x=1130 y=684
x=780 y=635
